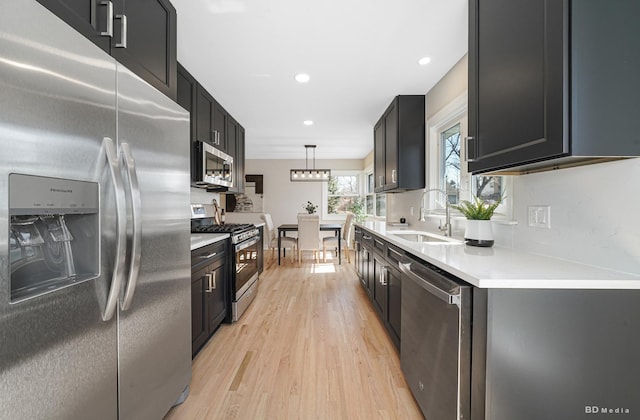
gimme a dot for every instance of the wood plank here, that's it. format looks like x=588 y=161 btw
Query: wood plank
x=309 y=347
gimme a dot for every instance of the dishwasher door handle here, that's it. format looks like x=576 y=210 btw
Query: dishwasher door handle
x=425 y=284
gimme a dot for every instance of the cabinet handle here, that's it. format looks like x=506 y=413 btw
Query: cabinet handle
x=472 y=152
x=380 y=181
x=123 y=31
x=383 y=278
x=213 y=282
x=94 y=17
x=366 y=237
x=393 y=176
x=213 y=254
x=208 y=277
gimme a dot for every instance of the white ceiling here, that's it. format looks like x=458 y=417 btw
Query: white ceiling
x=359 y=54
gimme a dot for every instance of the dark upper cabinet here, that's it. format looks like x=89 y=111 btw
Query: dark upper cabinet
x=211 y=124
x=399 y=145
x=219 y=119
x=551 y=83
x=379 y=155
x=232 y=139
x=141 y=34
x=205 y=104
x=187 y=96
x=144 y=40
x=239 y=159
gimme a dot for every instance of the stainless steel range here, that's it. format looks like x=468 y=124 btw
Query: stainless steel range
x=245 y=239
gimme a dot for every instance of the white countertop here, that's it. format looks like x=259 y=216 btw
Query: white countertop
x=198 y=240
x=498 y=267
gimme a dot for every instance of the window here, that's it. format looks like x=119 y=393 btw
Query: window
x=341 y=192
x=447 y=169
x=375 y=204
x=450 y=163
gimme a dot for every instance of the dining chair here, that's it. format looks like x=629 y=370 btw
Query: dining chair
x=345 y=240
x=308 y=235
x=272 y=237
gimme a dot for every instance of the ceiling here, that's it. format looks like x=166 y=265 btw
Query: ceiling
x=358 y=53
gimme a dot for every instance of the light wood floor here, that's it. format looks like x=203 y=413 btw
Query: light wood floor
x=309 y=347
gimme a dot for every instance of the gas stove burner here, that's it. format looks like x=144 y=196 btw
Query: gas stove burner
x=226 y=228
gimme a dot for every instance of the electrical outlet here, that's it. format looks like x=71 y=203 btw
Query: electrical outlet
x=410 y=211
x=539 y=216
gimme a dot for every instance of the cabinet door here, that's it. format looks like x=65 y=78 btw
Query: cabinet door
x=199 y=319
x=380 y=286
x=216 y=296
x=367 y=270
x=379 y=155
x=204 y=112
x=394 y=308
x=219 y=120
x=186 y=97
x=144 y=40
x=239 y=159
x=515 y=83
x=232 y=140
x=89 y=17
x=391 y=147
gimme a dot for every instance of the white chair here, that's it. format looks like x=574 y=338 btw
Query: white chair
x=272 y=237
x=345 y=240
x=308 y=235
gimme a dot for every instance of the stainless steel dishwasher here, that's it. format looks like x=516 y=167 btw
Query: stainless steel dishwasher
x=436 y=340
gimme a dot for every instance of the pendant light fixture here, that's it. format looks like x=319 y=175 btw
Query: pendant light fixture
x=309 y=175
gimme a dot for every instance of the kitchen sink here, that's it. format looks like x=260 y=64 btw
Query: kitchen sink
x=424 y=237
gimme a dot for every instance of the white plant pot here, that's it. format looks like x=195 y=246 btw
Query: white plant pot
x=479 y=233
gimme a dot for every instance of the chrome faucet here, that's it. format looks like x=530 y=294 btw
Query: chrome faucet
x=446 y=228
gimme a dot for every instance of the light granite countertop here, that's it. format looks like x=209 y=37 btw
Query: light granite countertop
x=198 y=240
x=498 y=267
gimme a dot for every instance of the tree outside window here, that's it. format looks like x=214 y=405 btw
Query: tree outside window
x=450 y=146
x=342 y=192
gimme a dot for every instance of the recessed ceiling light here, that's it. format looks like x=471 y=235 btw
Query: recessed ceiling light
x=307 y=122
x=302 y=78
x=424 y=61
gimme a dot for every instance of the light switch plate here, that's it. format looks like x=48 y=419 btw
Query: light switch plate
x=539 y=216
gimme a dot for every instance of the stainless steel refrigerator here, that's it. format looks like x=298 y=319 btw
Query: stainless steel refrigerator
x=94 y=230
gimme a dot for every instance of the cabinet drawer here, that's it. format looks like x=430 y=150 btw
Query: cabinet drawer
x=394 y=255
x=204 y=254
x=380 y=245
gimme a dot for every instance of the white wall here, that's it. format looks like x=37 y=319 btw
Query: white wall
x=285 y=199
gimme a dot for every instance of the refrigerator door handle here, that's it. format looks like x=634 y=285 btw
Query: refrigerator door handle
x=134 y=194
x=121 y=231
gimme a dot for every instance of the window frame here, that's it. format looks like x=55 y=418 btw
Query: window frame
x=374 y=216
x=325 y=193
x=447 y=117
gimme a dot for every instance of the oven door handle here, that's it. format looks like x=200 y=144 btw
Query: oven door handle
x=247 y=244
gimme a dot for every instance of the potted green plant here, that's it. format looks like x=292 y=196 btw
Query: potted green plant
x=310 y=207
x=478 y=230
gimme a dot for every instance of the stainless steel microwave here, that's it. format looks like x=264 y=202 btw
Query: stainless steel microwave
x=212 y=168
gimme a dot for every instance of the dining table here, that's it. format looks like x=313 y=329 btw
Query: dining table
x=324 y=227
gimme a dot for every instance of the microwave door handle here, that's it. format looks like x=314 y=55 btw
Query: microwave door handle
x=121 y=231
x=134 y=194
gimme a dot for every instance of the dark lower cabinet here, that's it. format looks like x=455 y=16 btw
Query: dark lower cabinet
x=261 y=250
x=380 y=285
x=141 y=34
x=209 y=295
x=552 y=83
x=379 y=273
